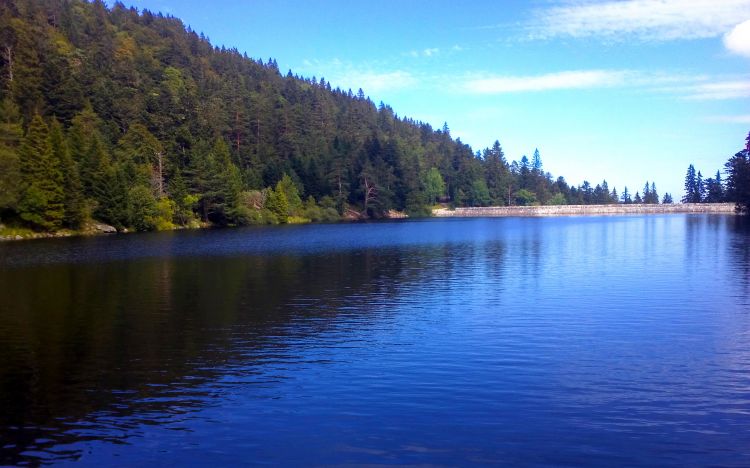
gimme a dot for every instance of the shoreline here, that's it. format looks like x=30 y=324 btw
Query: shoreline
x=101 y=229
x=583 y=210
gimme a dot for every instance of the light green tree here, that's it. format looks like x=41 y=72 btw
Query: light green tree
x=434 y=185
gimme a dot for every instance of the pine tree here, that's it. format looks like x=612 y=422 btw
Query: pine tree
x=10 y=164
x=110 y=190
x=626 y=197
x=700 y=188
x=73 y=201
x=738 y=178
x=654 y=194
x=667 y=199
x=691 y=189
x=42 y=202
x=536 y=161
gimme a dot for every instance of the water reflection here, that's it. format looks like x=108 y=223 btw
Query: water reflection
x=109 y=344
x=619 y=340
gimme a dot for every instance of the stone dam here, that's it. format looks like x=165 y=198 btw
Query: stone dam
x=583 y=210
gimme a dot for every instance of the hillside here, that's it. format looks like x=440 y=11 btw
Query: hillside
x=132 y=119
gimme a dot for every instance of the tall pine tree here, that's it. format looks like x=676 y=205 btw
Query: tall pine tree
x=42 y=202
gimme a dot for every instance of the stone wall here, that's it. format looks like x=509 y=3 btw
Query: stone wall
x=580 y=210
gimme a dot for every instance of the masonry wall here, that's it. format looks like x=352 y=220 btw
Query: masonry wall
x=578 y=210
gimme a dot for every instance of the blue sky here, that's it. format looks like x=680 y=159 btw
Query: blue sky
x=627 y=90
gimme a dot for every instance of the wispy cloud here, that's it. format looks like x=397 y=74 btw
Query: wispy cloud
x=737 y=119
x=683 y=86
x=717 y=90
x=373 y=81
x=372 y=78
x=738 y=39
x=649 y=20
x=429 y=52
x=546 y=82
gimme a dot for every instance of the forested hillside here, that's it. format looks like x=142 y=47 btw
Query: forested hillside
x=132 y=119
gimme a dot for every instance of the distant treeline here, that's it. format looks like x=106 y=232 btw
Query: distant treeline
x=736 y=188
x=135 y=120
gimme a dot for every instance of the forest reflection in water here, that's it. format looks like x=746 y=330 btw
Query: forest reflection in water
x=447 y=331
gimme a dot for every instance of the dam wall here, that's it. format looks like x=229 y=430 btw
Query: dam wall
x=583 y=210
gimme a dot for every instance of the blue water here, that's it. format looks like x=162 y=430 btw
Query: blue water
x=530 y=341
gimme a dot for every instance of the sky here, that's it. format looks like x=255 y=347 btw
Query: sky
x=627 y=90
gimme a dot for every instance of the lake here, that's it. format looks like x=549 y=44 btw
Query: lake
x=526 y=341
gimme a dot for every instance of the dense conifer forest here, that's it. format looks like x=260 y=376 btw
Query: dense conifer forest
x=134 y=120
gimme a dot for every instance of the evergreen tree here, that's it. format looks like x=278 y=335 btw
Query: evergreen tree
x=42 y=200
x=738 y=178
x=667 y=199
x=291 y=194
x=536 y=161
x=637 y=199
x=10 y=165
x=278 y=205
x=714 y=189
x=73 y=201
x=110 y=190
x=626 y=197
x=497 y=174
x=700 y=189
x=692 y=194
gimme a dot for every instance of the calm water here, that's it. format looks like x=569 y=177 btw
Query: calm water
x=561 y=341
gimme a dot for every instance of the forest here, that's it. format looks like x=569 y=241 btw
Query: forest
x=132 y=119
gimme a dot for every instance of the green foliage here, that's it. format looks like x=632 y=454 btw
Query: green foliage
x=738 y=178
x=290 y=193
x=479 y=194
x=526 y=198
x=158 y=127
x=111 y=194
x=434 y=186
x=73 y=202
x=277 y=204
x=558 y=199
x=142 y=208
x=42 y=197
x=10 y=164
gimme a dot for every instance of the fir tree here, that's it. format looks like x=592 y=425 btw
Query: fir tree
x=42 y=201
x=692 y=195
x=700 y=188
x=73 y=201
x=738 y=178
x=10 y=165
x=626 y=197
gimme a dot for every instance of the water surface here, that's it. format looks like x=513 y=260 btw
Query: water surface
x=553 y=341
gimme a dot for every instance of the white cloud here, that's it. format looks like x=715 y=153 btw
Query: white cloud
x=738 y=39
x=658 y=20
x=372 y=81
x=371 y=77
x=551 y=81
x=685 y=86
x=718 y=90
x=738 y=119
x=429 y=52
